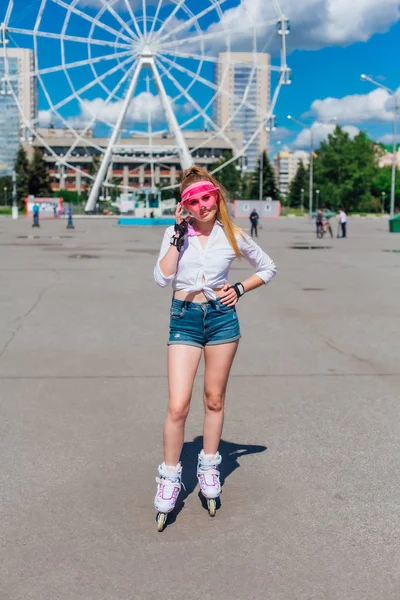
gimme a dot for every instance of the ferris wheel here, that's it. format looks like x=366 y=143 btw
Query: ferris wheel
x=126 y=68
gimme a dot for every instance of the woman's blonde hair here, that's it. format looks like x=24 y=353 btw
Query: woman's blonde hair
x=195 y=174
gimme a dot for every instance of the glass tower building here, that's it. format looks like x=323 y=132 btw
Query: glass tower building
x=18 y=79
x=237 y=71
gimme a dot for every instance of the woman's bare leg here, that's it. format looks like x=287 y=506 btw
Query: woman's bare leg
x=183 y=362
x=218 y=363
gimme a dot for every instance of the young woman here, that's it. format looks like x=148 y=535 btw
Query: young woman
x=195 y=258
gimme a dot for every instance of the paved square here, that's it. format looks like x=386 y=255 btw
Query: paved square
x=310 y=505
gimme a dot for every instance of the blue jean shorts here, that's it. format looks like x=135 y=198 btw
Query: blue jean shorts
x=203 y=324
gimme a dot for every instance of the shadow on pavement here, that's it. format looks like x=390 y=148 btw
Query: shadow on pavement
x=230 y=453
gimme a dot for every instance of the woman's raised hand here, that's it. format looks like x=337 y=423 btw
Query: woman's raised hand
x=178 y=213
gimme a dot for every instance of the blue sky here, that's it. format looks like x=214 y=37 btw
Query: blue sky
x=331 y=43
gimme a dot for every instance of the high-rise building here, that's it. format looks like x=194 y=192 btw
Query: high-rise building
x=286 y=164
x=20 y=67
x=235 y=72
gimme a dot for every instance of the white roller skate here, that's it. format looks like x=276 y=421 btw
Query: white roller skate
x=209 y=479
x=168 y=487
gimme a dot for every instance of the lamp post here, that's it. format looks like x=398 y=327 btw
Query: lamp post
x=317 y=201
x=383 y=202
x=394 y=157
x=271 y=126
x=302 y=200
x=5 y=195
x=260 y=193
x=14 y=195
x=304 y=126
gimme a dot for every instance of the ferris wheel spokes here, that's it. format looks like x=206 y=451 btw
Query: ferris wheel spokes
x=185 y=156
x=132 y=16
x=214 y=6
x=201 y=112
x=91 y=84
x=162 y=38
x=178 y=5
x=107 y=101
x=81 y=63
x=213 y=35
x=68 y=38
x=71 y=9
x=116 y=16
x=155 y=19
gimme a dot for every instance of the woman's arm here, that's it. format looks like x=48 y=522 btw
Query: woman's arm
x=257 y=258
x=167 y=263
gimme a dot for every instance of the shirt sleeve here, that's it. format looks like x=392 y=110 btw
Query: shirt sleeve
x=159 y=276
x=257 y=258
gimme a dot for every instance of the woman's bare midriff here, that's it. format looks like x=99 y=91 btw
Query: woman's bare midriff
x=194 y=296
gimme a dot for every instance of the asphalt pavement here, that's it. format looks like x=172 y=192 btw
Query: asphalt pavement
x=311 y=445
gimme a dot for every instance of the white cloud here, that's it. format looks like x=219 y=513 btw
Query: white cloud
x=280 y=133
x=45 y=118
x=316 y=23
x=138 y=111
x=357 y=108
x=320 y=132
x=386 y=139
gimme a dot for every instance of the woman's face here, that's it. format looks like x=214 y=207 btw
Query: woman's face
x=204 y=208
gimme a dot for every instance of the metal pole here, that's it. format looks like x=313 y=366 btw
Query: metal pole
x=260 y=194
x=311 y=175
x=394 y=158
x=91 y=203
x=302 y=200
x=14 y=194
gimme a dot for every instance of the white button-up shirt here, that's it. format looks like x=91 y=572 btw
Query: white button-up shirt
x=205 y=269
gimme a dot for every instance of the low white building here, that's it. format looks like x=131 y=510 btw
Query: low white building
x=387 y=159
x=286 y=164
x=135 y=164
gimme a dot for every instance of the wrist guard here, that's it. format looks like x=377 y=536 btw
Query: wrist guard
x=178 y=239
x=239 y=289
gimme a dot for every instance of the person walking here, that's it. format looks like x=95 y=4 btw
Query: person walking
x=343 y=222
x=195 y=257
x=254 y=216
x=35 y=211
x=70 y=223
x=319 y=222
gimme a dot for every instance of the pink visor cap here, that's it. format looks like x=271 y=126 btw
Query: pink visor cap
x=197 y=190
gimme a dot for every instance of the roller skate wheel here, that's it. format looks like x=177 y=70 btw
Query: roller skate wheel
x=212 y=507
x=161 y=521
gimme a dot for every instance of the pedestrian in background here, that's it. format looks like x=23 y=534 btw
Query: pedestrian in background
x=343 y=222
x=35 y=215
x=254 y=216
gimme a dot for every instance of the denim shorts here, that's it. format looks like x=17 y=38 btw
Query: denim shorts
x=203 y=324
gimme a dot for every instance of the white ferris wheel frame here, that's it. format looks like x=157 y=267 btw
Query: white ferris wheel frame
x=136 y=48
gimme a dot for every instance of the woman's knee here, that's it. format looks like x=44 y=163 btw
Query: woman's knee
x=178 y=412
x=214 y=401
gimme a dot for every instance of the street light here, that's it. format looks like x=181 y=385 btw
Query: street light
x=383 y=202
x=394 y=157
x=5 y=195
x=317 y=202
x=302 y=200
x=304 y=126
x=271 y=126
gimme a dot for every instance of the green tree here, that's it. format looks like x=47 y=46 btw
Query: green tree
x=23 y=175
x=298 y=183
x=344 y=170
x=39 y=181
x=230 y=176
x=6 y=189
x=269 y=189
x=383 y=183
